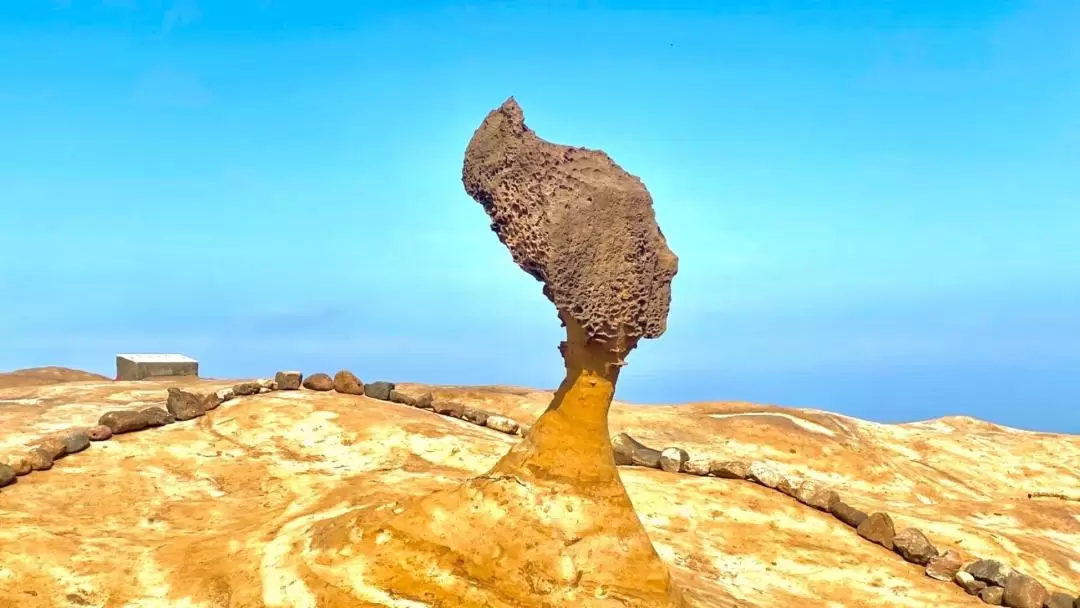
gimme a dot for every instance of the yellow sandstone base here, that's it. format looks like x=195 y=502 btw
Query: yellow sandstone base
x=550 y=525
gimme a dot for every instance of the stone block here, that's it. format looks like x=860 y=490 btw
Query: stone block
x=146 y=366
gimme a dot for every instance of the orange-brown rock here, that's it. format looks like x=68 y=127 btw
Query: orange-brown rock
x=347 y=383
x=878 y=528
x=318 y=382
x=577 y=222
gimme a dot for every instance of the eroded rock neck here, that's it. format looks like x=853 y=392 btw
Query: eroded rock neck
x=571 y=439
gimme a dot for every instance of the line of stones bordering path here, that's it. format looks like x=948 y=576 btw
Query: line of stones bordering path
x=186 y=404
x=993 y=582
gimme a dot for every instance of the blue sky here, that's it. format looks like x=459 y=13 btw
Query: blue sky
x=875 y=204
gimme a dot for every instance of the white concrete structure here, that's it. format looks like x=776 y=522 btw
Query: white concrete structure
x=143 y=366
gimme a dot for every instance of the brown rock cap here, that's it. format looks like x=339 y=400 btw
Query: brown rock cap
x=576 y=221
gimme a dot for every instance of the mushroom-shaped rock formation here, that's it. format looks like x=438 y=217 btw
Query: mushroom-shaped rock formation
x=551 y=523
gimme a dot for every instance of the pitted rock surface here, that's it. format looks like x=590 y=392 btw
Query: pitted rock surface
x=576 y=221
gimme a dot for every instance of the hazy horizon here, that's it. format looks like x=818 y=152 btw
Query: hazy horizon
x=875 y=207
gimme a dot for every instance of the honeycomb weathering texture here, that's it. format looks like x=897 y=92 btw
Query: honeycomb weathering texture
x=576 y=221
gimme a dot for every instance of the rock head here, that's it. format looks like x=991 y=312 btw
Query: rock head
x=576 y=221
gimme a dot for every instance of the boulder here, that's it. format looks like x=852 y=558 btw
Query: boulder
x=1023 y=591
x=99 y=433
x=1058 y=599
x=75 y=441
x=266 y=384
x=673 y=459
x=402 y=398
x=912 y=545
x=379 y=390
x=212 y=400
x=22 y=466
x=789 y=484
x=503 y=425
x=448 y=408
x=968 y=583
x=53 y=445
x=124 y=421
x=475 y=416
x=878 y=528
x=185 y=405
x=944 y=567
x=225 y=394
x=40 y=460
x=158 y=416
x=990 y=571
x=628 y=451
x=244 y=389
x=731 y=469
x=822 y=499
x=288 y=381
x=763 y=474
x=523 y=430
x=318 y=382
x=346 y=383
x=425 y=401
x=7 y=475
x=701 y=466
x=992 y=595
x=804 y=490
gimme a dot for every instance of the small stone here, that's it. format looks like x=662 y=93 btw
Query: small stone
x=731 y=469
x=346 y=383
x=379 y=390
x=425 y=401
x=402 y=398
x=265 y=389
x=789 y=484
x=823 y=499
x=40 y=460
x=629 y=451
x=501 y=424
x=523 y=430
x=1023 y=591
x=992 y=595
x=968 y=583
x=990 y=571
x=805 y=490
x=185 y=405
x=99 y=433
x=225 y=394
x=22 y=466
x=318 y=382
x=76 y=441
x=475 y=416
x=266 y=384
x=244 y=389
x=7 y=475
x=848 y=514
x=288 y=381
x=158 y=416
x=672 y=459
x=1058 y=599
x=211 y=401
x=878 y=528
x=912 y=545
x=944 y=567
x=764 y=474
x=698 y=465
x=53 y=445
x=448 y=408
